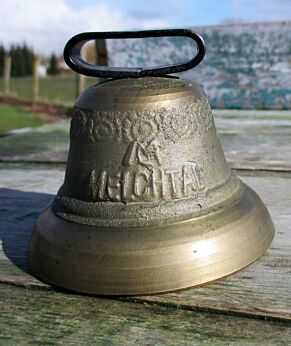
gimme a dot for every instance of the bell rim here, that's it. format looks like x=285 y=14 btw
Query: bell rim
x=154 y=269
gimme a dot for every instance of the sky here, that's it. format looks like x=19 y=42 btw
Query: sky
x=46 y=25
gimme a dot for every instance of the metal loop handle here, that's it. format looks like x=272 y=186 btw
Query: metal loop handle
x=72 y=54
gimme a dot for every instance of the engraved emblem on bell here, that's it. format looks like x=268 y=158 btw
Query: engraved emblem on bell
x=148 y=203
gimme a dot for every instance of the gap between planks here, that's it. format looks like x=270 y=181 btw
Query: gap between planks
x=260 y=315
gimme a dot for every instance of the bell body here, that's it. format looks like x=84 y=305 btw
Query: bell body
x=148 y=203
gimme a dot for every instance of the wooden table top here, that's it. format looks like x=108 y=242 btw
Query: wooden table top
x=251 y=307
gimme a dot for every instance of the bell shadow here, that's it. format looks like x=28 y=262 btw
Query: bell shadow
x=18 y=213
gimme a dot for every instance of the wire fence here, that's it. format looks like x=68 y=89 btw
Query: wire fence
x=60 y=89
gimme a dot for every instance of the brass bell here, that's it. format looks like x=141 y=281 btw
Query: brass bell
x=148 y=203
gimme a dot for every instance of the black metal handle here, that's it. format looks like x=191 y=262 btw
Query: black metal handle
x=72 y=54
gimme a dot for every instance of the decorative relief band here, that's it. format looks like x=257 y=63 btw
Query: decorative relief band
x=169 y=123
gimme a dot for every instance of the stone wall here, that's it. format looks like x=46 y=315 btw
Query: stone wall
x=246 y=65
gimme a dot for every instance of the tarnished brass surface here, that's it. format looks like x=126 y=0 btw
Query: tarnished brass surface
x=148 y=203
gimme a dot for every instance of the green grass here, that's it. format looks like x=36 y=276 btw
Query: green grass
x=12 y=117
x=57 y=89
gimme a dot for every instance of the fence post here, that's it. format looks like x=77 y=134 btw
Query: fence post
x=6 y=74
x=80 y=78
x=35 y=78
x=101 y=54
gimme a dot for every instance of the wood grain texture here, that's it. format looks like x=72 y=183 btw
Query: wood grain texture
x=256 y=144
x=250 y=141
x=42 y=317
x=261 y=290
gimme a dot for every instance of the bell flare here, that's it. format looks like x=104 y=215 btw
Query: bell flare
x=151 y=259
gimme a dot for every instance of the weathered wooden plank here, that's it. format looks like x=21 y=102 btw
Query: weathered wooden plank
x=48 y=143
x=256 y=142
x=42 y=317
x=263 y=289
